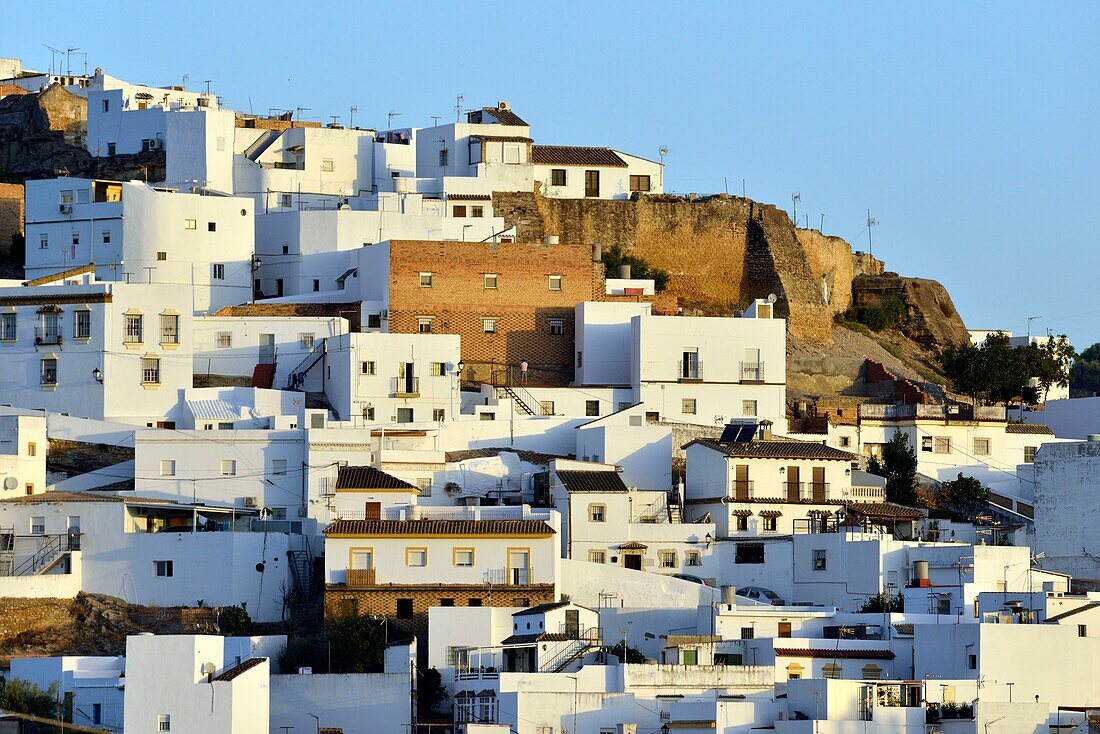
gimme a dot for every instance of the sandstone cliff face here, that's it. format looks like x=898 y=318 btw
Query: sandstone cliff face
x=931 y=318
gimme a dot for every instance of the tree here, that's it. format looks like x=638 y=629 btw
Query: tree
x=614 y=256
x=1085 y=373
x=21 y=696
x=883 y=602
x=899 y=466
x=429 y=691
x=962 y=497
x=1049 y=363
x=351 y=644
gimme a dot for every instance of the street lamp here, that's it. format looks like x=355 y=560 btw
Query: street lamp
x=97 y=374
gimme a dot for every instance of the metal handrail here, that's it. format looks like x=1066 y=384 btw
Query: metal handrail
x=591 y=637
x=53 y=547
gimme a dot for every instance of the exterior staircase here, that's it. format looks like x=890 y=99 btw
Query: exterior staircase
x=262 y=143
x=588 y=640
x=522 y=405
x=263 y=375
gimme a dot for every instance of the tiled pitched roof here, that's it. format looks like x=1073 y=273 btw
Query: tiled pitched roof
x=883 y=510
x=505 y=117
x=367 y=477
x=575 y=155
x=55 y=277
x=89 y=496
x=1076 y=610
x=503 y=138
x=541 y=608
x=427 y=528
x=839 y=653
x=469 y=197
x=1034 y=428
x=592 y=481
x=289 y=309
x=239 y=669
x=775 y=449
x=531 y=457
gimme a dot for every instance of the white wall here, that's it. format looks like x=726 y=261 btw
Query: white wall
x=1066 y=510
x=23 y=449
x=342 y=701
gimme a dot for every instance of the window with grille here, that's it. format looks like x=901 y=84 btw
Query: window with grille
x=477 y=211
x=693 y=558
x=82 y=325
x=666 y=558
x=597 y=513
x=168 y=467
x=557 y=327
x=546 y=407
x=688 y=406
x=981 y=447
x=557 y=177
x=306 y=340
x=225 y=339
x=424 y=325
x=597 y=556
x=286 y=201
x=748 y=407
x=425 y=280
x=489 y=326
x=7 y=327
x=368 y=368
x=424 y=484
x=48 y=371
x=941 y=445
x=1029 y=454
x=134 y=331
x=169 y=329
x=219 y=271
x=164 y=721
x=150 y=370
x=327 y=165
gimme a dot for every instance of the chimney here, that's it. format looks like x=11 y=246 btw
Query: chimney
x=624 y=271
x=597 y=252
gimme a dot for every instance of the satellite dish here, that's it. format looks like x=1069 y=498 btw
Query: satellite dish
x=209 y=668
x=10 y=482
x=772 y=298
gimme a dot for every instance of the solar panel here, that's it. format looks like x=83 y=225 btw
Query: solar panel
x=738 y=433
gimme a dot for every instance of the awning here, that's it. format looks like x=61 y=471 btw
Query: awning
x=741 y=513
x=770 y=513
x=632 y=545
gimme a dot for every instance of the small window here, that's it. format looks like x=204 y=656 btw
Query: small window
x=477 y=211
x=748 y=633
x=76 y=238
x=553 y=282
x=218 y=271
x=443 y=157
x=926 y=444
x=1082 y=630
x=43 y=241
x=278 y=467
x=38 y=525
x=163 y=569
x=819 y=560
x=489 y=281
x=164 y=721
x=190 y=224
x=219 y=143
x=557 y=327
x=439 y=415
x=666 y=558
x=211 y=226
x=639 y=183
x=327 y=165
x=942 y=445
x=438 y=369
x=106 y=236
x=473 y=602
x=306 y=340
x=749 y=553
x=150 y=370
x=742 y=522
x=229 y=468
x=591 y=407
x=368 y=368
x=688 y=406
x=580 y=359
x=32 y=448
x=416 y=557
x=489 y=326
x=316 y=285
x=8 y=330
x=546 y=407
x=981 y=447
x=832 y=670
x=111 y=148
x=286 y=201
x=105 y=105
x=464 y=557
x=459 y=211
x=374 y=321
x=424 y=484
x=971 y=661
x=169 y=328
x=424 y=325
x=404 y=415
x=48 y=371
x=425 y=280
x=770 y=523
x=597 y=556
x=557 y=177
x=162 y=256
x=82 y=324
x=693 y=558
x=597 y=512
x=1029 y=454
x=168 y=467
x=404 y=608
x=845 y=442
x=225 y=339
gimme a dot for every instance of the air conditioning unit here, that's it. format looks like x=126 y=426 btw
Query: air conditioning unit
x=155 y=144
x=385 y=313
x=251 y=501
x=66 y=208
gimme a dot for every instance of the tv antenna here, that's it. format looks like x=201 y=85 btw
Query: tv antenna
x=335 y=120
x=458 y=107
x=68 y=59
x=351 y=116
x=436 y=119
x=871 y=222
x=795 y=198
x=299 y=111
x=390 y=116
x=53 y=52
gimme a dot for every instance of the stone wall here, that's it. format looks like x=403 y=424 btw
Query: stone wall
x=11 y=219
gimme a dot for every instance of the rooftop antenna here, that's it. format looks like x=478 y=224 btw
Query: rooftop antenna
x=436 y=119
x=351 y=116
x=390 y=116
x=663 y=151
x=299 y=110
x=53 y=53
x=68 y=59
x=871 y=222
x=795 y=198
x=186 y=77
x=335 y=119
x=458 y=107
x=207 y=82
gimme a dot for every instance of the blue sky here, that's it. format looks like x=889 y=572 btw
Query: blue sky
x=969 y=130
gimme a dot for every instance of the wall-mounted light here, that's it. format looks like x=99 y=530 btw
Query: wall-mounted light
x=782 y=470
x=97 y=374
x=847 y=472
x=461 y=366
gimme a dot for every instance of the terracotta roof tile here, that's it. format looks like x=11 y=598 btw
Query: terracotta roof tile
x=775 y=449
x=574 y=155
x=840 y=653
x=1035 y=428
x=367 y=477
x=592 y=481
x=505 y=117
x=239 y=669
x=423 y=528
x=89 y=496
x=531 y=457
x=70 y=273
x=469 y=197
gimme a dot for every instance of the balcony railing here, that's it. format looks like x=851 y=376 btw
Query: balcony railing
x=405 y=387
x=424 y=512
x=360 y=578
x=690 y=371
x=510 y=576
x=952 y=412
x=741 y=490
x=806 y=491
x=752 y=371
x=47 y=334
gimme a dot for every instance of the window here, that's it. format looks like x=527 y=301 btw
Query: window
x=169 y=329
x=748 y=407
x=639 y=183
x=106 y=237
x=591 y=407
x=190 y=224
x=459 y=211
x=219 y=143
x=687 y=406
x=666 y=558
x=327 y=165
x=464 y=557
x=211 y=226
x=546 y=407
x=443 y=157
x=580 y=359
x=218 y=271
x=597 y=556
x=278 y=467
x=553 y=282
x=229 y=468
x=97 y=714
x=374 y=321
x=748 y=633
x=76 y=238
x=164 y=721
x=7 y=327
x=48 y=371
x=597 y=513
x=477 y=211
x=43 y=241
x=424 y=325
x=162 y=568
x=693 y=558
x=942 y=445
x=404 y=415
x=225 y=339
x=473 y=602
x=557 y=177
x=162 y=256
x=82 y=324
x=286 y=201
x=316 y=285
x=1029 y=454
x=489 y=326
x=819 y=560
x=150 y=370
x=38 y=525
x=111 y=148
x=133 y=328
x=971 y=661
x=404 y=608
x=306 y=340
x=770 y=523
x=368 y=368
x=981 y=447
x=105 y=105
x=438 y=369
x=1082 y=630
x=32 y=448
x=416 y=557
x=439 y=415
x=489 y=281
x=424 y=484
x=845 y=442
x=749 y=553
x=832 y=670
x=742 y=522
x=168 y=467
x=591 y=183
x=557 y=327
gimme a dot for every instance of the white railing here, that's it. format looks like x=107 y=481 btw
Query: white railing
x=418 y=512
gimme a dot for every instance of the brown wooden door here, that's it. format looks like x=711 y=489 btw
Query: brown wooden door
x=633 y=561
x=741 y=482
x=372 y=511
x=784 y=629
x=792 y=484
x=819 y=484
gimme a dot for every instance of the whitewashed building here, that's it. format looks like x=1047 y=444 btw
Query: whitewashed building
x=23 y=449
x=1066 y=507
